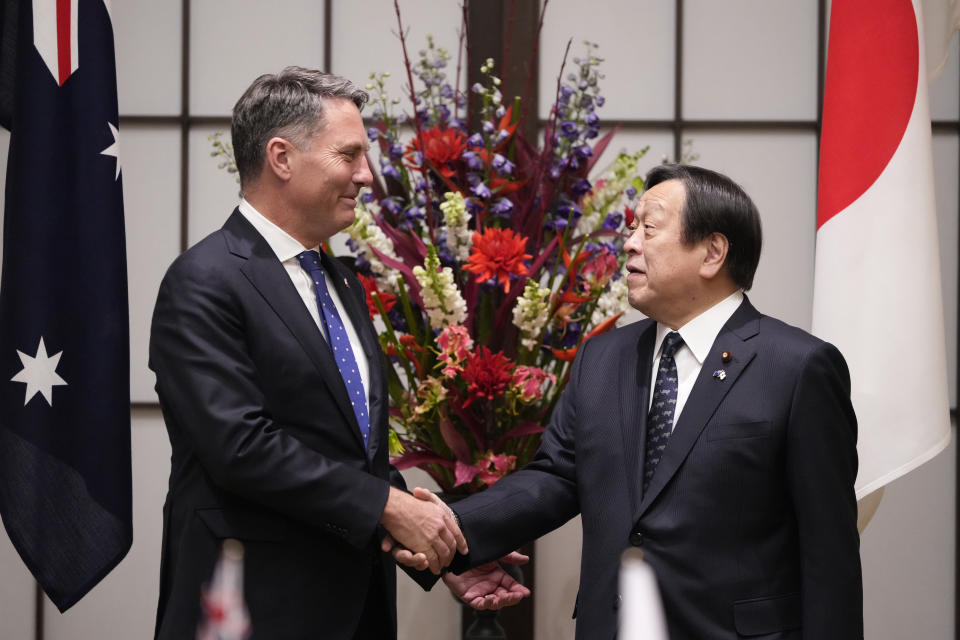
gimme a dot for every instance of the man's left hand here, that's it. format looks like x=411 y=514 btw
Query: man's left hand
x=488 y=586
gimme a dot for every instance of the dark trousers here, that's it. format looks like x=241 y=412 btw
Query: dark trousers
x=375 y=622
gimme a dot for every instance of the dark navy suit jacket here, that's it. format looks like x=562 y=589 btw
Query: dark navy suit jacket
x=750 y=519
x=266 y=447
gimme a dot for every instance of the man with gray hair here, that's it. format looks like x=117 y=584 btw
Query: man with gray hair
x=273 y=389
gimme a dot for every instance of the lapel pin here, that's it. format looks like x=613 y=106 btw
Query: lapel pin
x=726 y=356
x=720 y=374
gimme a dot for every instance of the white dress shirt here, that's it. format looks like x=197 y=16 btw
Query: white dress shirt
x=698 y=337
x=287 y=249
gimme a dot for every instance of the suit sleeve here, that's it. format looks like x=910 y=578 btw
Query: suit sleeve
x=822 y=461
x=208 y=386
x=534 y=500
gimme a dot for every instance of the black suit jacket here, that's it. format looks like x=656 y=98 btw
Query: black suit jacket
x=750 y=519
x=266 y=447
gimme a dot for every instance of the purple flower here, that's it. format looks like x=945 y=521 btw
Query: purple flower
x=631 y=192
x=367 y=197
x=389 y=170
x=565 y=91
x=473 y=160
x=571 y=335
x=372 y=134
x=481 y=190
x=583 y=151
x=477 y=88
x=500 y=112
x=502 y=135
x=501 y=207
x=446 y=91
x=555 y=172
x=476 y=140
x=501 y=164
x=352 y=245
x=592 y=119
x=402 y=118
x=412 y=213
x=600 y=101
x=474 y=206
x=580 y=187
x=591 y=133
x=613 y=221
x=569 y=129
x=568 y=209
x=392 y=204
x=396 y=150
x=488 y=127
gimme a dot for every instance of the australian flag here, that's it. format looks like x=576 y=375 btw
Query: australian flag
x=65 y=493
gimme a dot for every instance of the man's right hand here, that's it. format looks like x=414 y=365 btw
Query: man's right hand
x=423 y=526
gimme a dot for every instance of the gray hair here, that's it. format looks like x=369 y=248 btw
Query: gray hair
x=290 y=105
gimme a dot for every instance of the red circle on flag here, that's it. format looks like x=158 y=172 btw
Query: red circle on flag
x=873 y=66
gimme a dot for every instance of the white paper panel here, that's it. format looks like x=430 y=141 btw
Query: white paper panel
x=636 y=42
x=365 y=41
x=124 y=604
x=778 y=170
x=944 y=90
x=148 y=37
x=151 y=197
x=946 y=170
x=16 y=593
x=213 y=192
x=750 y=59
x=908 y=555
x=231 y=43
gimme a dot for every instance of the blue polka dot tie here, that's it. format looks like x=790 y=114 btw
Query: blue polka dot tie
x=337 y=338
x=660 y=416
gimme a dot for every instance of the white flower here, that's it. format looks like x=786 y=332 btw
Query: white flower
x=366 y=233
x=530 y=314
x=441 y=297
x=456 y=219
x=611 y=302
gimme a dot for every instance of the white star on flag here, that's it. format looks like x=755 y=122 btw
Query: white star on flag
x=39 y=373
x=114 y=149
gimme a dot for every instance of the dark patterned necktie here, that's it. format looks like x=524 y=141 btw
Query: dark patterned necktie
x=336 y=335
x=660 y=416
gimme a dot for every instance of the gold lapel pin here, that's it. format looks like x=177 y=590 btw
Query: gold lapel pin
x=720 y=374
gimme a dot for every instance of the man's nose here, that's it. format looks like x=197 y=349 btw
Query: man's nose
x=363 y=176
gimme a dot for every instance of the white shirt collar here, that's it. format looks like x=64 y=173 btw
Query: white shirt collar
x=700 y=333
x=279 y=240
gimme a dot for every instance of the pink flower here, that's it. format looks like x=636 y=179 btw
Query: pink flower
x=455 y=344
x=529 y=382
x=491 y=468
x=600 y=268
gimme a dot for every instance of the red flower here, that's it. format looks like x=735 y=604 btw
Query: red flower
x=370 y=288
x=487 y=374
x=439 y=147
x=491 y=467
x=498 y=253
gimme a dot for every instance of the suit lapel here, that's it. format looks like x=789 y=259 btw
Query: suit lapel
x=634 y=396
x=270 y=279
x=707 y=394
x=360 y=318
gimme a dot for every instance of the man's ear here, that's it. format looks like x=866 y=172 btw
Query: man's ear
x=279 y=157
x=717 y=246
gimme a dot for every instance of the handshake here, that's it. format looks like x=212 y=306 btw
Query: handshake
x=422 y=532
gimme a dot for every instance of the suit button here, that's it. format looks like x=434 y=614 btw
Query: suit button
x=636 y=539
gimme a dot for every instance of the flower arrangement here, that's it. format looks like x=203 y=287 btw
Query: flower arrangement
x=487 y=260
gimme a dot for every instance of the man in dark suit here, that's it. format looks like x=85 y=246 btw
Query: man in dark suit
x=273 y=389
x=720 y=441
